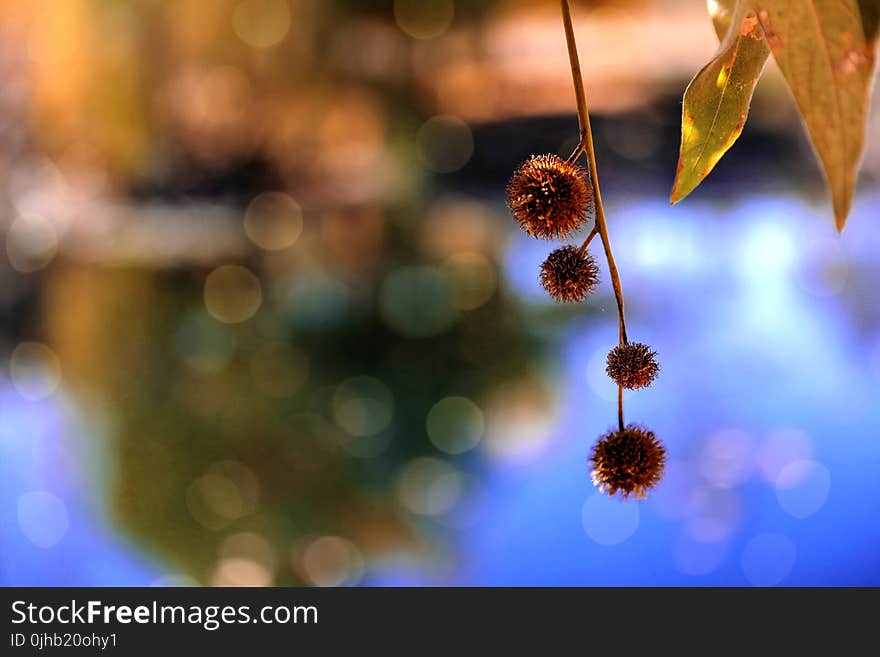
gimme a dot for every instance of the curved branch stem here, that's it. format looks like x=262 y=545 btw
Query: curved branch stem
x=589 y=239
x=585 y=145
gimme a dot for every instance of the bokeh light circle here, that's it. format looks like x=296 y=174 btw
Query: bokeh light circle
x=520 y=416
x=424 y=19
x=366 y=447
x=609 y=520
x=363 y=406
x=251 y=546
x=35 y=370
x=273 y=221
x=31 y=243
x=455 y=425
x=768 y=558
x=232 y=294
x=417 y=302
x=693 y=557
x=429 y=486
x=261 y=23
x=445 y=143
x=240 y=572
x=802 y=487
x=781 y=448
x=43 y=518
x=714 y=513
x=228 y=490
x=473 y=278
x=672 y=497
x=331 y=561
x=726 y=458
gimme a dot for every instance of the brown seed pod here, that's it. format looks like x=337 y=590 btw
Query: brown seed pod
x=549 y=197
x=569 y=275
x=629 y=462
x=632 y=365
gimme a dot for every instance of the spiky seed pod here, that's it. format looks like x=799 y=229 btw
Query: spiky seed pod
x=549 y=197
x=569 y=275
x=629 y=462
x=632 y=365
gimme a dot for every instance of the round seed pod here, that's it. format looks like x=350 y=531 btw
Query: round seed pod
x=632 y=365
x=569 y=275
x=627 y=462
x=549 y=197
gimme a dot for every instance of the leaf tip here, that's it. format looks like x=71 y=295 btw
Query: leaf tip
x=679 y=191
x=842 y=206
x=677 y=194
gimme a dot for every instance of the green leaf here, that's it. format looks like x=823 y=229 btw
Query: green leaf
x=825 y=49
x=716 y=102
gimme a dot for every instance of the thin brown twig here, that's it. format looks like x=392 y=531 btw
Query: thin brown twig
x=589 y=239
x=585 y=145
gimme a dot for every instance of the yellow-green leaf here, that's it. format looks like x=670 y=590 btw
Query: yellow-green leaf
x=828 y=61
x=716 y=102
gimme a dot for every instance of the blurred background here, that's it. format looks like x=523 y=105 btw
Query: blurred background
x=266 y=320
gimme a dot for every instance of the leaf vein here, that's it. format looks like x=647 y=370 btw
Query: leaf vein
x=720 y=101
